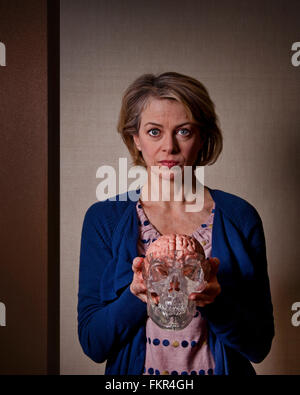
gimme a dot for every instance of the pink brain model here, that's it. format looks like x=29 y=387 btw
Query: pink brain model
x=166 y=244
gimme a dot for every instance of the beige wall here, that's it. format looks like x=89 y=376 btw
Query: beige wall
x=242 y=52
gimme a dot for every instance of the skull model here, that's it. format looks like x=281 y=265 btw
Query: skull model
x=175 y=267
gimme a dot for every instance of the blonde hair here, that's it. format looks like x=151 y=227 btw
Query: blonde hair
x=171 y=85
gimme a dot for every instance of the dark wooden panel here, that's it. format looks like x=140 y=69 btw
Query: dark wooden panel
x=25 y=225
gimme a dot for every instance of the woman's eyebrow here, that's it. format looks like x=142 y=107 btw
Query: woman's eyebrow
x=182 y=124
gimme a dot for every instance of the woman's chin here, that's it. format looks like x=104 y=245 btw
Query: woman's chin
x=166 y=173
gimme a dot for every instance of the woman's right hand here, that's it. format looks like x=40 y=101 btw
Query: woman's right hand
x=138 y=286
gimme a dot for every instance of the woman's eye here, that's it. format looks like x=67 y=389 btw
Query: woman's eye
x=184 y=132
x=154 y=132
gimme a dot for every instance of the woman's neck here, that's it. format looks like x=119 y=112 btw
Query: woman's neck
x=190 y=195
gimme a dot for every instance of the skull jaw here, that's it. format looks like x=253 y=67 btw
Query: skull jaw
x=172 y=313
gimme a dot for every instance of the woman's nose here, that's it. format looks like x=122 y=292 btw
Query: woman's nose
x=169 y=144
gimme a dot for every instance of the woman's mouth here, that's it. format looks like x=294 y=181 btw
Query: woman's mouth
x=168 y=163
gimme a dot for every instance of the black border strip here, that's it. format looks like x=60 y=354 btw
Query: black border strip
x=53 y=38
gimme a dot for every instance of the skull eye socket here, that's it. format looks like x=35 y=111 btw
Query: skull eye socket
x=192 y=271
x=158 y=272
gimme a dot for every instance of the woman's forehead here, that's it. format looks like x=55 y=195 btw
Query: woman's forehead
x=158 y=110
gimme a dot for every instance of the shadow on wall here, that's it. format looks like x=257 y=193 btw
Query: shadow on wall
x=283 y=247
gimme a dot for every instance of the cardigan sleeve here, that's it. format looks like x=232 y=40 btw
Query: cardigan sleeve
x=103 y=327
x=242 y=314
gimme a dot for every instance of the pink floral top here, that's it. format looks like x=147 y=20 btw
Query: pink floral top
x=185 y=351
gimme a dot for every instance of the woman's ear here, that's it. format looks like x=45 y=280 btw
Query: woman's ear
x=136 y=140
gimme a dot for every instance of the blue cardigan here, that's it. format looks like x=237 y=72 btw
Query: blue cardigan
x=111 y=320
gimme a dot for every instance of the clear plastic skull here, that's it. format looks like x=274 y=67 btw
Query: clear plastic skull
x=175 y=267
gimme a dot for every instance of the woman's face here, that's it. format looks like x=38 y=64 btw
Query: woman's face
x=168 y=136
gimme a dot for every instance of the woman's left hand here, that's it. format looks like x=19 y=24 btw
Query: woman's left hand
x=212 y=289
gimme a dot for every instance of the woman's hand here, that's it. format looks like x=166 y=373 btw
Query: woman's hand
x=138 y=286
x=212 y=289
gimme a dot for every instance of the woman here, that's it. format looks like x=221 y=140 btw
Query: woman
x=168 y=122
